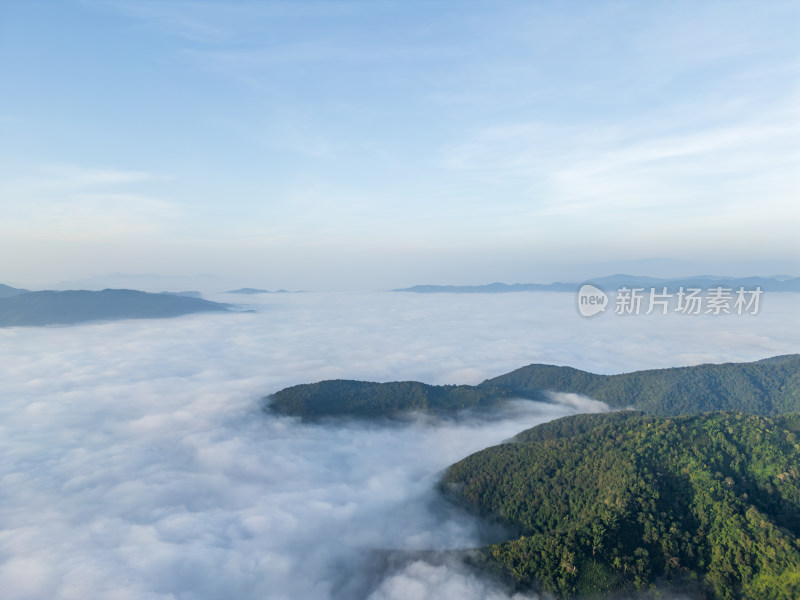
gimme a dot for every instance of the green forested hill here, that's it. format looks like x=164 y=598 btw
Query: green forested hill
x=601 y=502
x=766 y=387
x=770 y=386
x=345 y=398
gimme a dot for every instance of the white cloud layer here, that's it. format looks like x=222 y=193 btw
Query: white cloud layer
x=424 y=581
x=136 y=462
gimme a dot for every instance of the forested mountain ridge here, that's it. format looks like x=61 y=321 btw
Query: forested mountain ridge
x=609 y=501
x=624 y=500
x=766 y=387
x=366 y=399
x=769 y=386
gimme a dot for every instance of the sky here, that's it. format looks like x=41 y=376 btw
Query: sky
x=137 y=463
x=360 y=145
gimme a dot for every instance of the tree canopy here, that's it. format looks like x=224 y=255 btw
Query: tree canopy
x=608 y=501
x=766 y=387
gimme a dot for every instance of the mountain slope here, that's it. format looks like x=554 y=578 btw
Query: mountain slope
x=766 y=387
x=770 y=386
x=611 y=501
x=366 y=399
x=6 y=291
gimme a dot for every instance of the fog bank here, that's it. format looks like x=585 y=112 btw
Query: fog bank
x=137 y=461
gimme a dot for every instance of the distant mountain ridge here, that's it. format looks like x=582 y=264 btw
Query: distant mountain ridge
x=79 y=306
x=490 y=288
x=247 y=290
x=613 y=282
x=188 y=294
x=252 y=291
x=6 y=291
x=766 y=387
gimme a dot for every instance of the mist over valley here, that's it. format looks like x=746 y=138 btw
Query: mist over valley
x=143 y=465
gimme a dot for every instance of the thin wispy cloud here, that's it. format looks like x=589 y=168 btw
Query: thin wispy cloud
x=578 y=169
x=73 y=202
x=497 y=130
x=54 y=177
x=216 y=22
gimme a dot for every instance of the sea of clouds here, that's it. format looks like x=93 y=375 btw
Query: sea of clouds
x=136 y=461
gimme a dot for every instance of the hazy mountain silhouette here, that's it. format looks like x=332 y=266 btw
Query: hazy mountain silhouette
x=78 y=306
x=6 y=291
x=188 y=294
x=248 y=290
x=612 y=282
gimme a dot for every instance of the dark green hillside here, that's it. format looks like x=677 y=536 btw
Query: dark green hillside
x=340 y=398
x=604 y=502
x=765 y=387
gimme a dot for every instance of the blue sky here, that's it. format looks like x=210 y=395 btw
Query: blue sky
x=353 y=145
